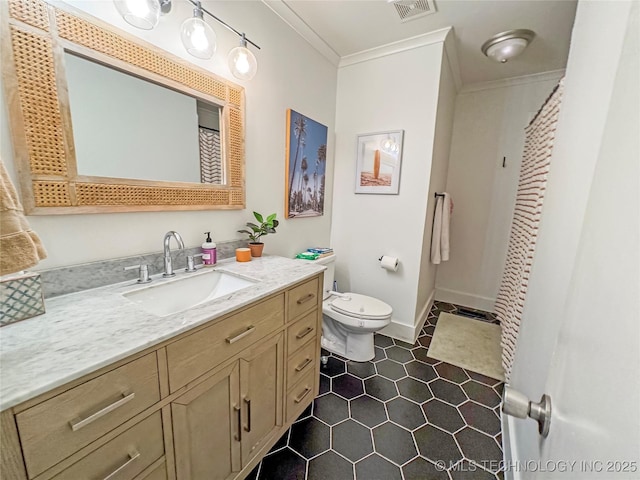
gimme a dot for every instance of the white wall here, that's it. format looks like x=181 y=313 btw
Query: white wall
x=581 y=126
x=126 y=127
x=291 y=74
x=437 y=183
x=488 y=125
x=392 y=92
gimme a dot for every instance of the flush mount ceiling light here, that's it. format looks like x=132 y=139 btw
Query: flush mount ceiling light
x=197 y=36
x=507 y=45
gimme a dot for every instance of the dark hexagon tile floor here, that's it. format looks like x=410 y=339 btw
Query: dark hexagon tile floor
x=397 y=417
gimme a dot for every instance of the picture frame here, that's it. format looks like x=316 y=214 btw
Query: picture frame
x=306 y=166
x=378 y=162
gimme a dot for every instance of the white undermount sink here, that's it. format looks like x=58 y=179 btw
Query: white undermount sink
x=184 y=292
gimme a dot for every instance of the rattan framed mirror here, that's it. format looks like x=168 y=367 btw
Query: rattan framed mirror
x=36 y=36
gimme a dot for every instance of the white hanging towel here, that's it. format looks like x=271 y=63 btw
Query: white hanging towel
x=440 y=234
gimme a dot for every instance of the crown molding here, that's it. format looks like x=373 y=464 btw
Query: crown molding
x=513 y=81
x=437 y=36
x=283 y=11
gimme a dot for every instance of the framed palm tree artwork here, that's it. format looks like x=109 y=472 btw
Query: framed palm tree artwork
x=306 y=156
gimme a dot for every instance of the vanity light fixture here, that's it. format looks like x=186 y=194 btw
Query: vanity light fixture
x=197 y=36
x=142 y=14
x=242 y=62
x=507 y=45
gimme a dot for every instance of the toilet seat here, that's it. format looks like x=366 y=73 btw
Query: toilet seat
x=361 y=306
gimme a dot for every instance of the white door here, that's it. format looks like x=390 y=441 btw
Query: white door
x=593 y=374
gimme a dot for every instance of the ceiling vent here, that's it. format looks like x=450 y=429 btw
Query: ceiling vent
x=412 y=9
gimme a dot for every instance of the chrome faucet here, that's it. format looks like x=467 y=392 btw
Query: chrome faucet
x=168 y=266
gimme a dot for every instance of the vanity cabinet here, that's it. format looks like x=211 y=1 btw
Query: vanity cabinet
x=207 y=404
x=220 y=424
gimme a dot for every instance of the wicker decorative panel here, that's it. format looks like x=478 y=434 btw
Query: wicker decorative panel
x=34 y=13
x=39 y=102
x=237 y=197
x=51 y=194
x=80 y=31
x=235 y=96
x=236 y=148
x=46 y=132
x=114 y=194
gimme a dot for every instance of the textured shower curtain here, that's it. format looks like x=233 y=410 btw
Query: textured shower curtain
x=536 y=160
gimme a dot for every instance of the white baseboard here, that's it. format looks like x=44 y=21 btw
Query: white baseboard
x=465 y=299
x=409 y=333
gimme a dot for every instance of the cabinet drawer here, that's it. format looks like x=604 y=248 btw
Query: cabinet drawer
x=301 y=362
x=196 y=354
x=300 y=332
x=159 y=473
x=302 y=298
x=124 y=457
x=58 y=427
x=300 y=396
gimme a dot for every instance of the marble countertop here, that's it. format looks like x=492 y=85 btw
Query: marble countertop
x=82 y=332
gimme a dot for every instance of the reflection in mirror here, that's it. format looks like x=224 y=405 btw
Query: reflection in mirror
x=128 y=127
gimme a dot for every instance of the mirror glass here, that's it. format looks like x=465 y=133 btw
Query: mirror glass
x=128 y=127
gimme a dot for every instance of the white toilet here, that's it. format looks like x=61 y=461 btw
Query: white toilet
x=350 y=319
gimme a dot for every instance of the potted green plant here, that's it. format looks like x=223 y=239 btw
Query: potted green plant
x=256 y=231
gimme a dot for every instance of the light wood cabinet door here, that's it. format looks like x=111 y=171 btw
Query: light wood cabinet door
x=261 y=376
x=207 y=428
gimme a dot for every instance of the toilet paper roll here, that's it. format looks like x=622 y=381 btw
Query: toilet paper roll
x=389 y=263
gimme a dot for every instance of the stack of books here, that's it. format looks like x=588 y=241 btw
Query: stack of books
x=322 y=252
x=315 y=253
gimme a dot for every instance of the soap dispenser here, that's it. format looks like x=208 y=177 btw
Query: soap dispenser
x=209 y=254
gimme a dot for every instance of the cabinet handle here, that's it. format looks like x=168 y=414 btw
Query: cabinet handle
x=304 y=333
x=132 y=458
x=77 y=424
x=302 y=395
x=239 y=435
x=303 y=365
x=248 y=402
x=306 y=298
x=249 y=330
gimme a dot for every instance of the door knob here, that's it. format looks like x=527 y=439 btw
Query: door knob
x=518 y=405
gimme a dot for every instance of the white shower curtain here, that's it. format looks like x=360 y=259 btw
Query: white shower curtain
x=536 y=161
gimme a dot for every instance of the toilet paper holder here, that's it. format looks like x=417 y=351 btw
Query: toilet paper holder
x=389 y=263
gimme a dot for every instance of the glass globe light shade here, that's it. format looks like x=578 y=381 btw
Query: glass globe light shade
x=142 y=14
x=243 y=63
x=198 y=38
x=507 y=49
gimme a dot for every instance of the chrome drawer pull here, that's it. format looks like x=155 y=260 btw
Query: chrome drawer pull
x=304 y=333
x=303 y=365
x=77 y=424
x=249 y=330
x=132 y=458
x=302 y=395
x=306 y=298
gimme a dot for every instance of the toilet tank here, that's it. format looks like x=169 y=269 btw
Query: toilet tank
x=329 y=273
